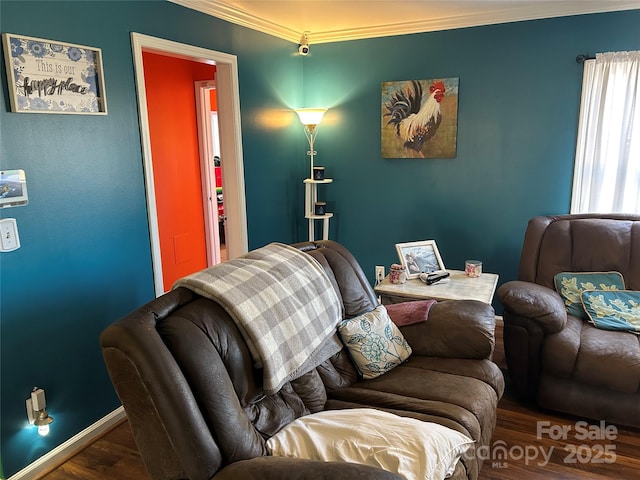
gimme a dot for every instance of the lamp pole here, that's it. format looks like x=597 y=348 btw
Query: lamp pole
x=311 y=132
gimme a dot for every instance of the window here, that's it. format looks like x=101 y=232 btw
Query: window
x=607 y=167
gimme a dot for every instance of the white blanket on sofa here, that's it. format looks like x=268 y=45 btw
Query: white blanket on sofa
x=283 y=304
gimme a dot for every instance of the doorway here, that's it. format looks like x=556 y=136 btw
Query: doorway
x=228 y=107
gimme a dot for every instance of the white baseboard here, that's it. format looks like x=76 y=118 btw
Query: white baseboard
x=64 y=451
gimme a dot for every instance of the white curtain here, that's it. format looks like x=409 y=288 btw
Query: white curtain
x=607 y=166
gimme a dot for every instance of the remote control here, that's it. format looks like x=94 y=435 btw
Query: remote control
x=434 y=277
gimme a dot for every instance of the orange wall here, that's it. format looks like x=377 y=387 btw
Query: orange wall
x=176 y=163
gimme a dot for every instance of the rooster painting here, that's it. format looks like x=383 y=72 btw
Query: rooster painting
x=415 y=115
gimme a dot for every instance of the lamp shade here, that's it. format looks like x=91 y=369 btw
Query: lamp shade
x=311 y=116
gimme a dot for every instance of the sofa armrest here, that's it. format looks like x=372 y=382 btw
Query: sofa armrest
x=287 y=468
x=454 y=329
x=530 y=300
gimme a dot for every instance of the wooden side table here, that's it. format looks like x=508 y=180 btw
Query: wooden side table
x=459 y=287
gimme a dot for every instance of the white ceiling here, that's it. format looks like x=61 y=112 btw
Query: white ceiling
x=338 y=20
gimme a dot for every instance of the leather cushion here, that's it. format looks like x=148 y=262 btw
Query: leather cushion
x=596 y=357
x=568 y=246
x=447 y=388
x=219 y=368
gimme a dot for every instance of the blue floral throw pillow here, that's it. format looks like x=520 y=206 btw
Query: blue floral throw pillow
x=374 y=342
x=613 y=310
x=570 y=286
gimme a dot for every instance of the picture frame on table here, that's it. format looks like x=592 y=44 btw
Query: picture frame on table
x=418 y=257
x=48 y=76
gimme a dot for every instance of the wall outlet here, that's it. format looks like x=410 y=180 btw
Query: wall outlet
x=9 y=239
x=379 y=273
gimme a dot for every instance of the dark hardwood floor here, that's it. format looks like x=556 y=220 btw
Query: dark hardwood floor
x=525 y=454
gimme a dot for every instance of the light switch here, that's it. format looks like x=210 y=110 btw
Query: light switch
x=9 y=239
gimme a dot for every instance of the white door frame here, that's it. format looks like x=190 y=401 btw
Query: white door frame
x=230 y=141
x=207 y=170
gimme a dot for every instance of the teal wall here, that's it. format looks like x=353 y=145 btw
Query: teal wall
x=519 y=95
x=85 y=258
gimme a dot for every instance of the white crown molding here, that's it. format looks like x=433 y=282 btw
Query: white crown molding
x=230 y=13
x=226 y=11
x=465 y=21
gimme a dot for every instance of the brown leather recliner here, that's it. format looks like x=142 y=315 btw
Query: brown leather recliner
x=198 y=411
x=559 y=361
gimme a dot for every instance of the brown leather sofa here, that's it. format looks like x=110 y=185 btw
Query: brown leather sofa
x=197 y=410
x=557 y=360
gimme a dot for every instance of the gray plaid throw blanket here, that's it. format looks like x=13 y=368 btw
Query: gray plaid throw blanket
x=283 y=304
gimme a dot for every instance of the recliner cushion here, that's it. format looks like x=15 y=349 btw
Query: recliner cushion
x=583 y=353
x=463 y=391
x=219 y=369
x=216 y=362
x=347 y=277
x=567 y=245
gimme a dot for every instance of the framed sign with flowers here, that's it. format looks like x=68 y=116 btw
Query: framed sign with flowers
x=46 y=76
